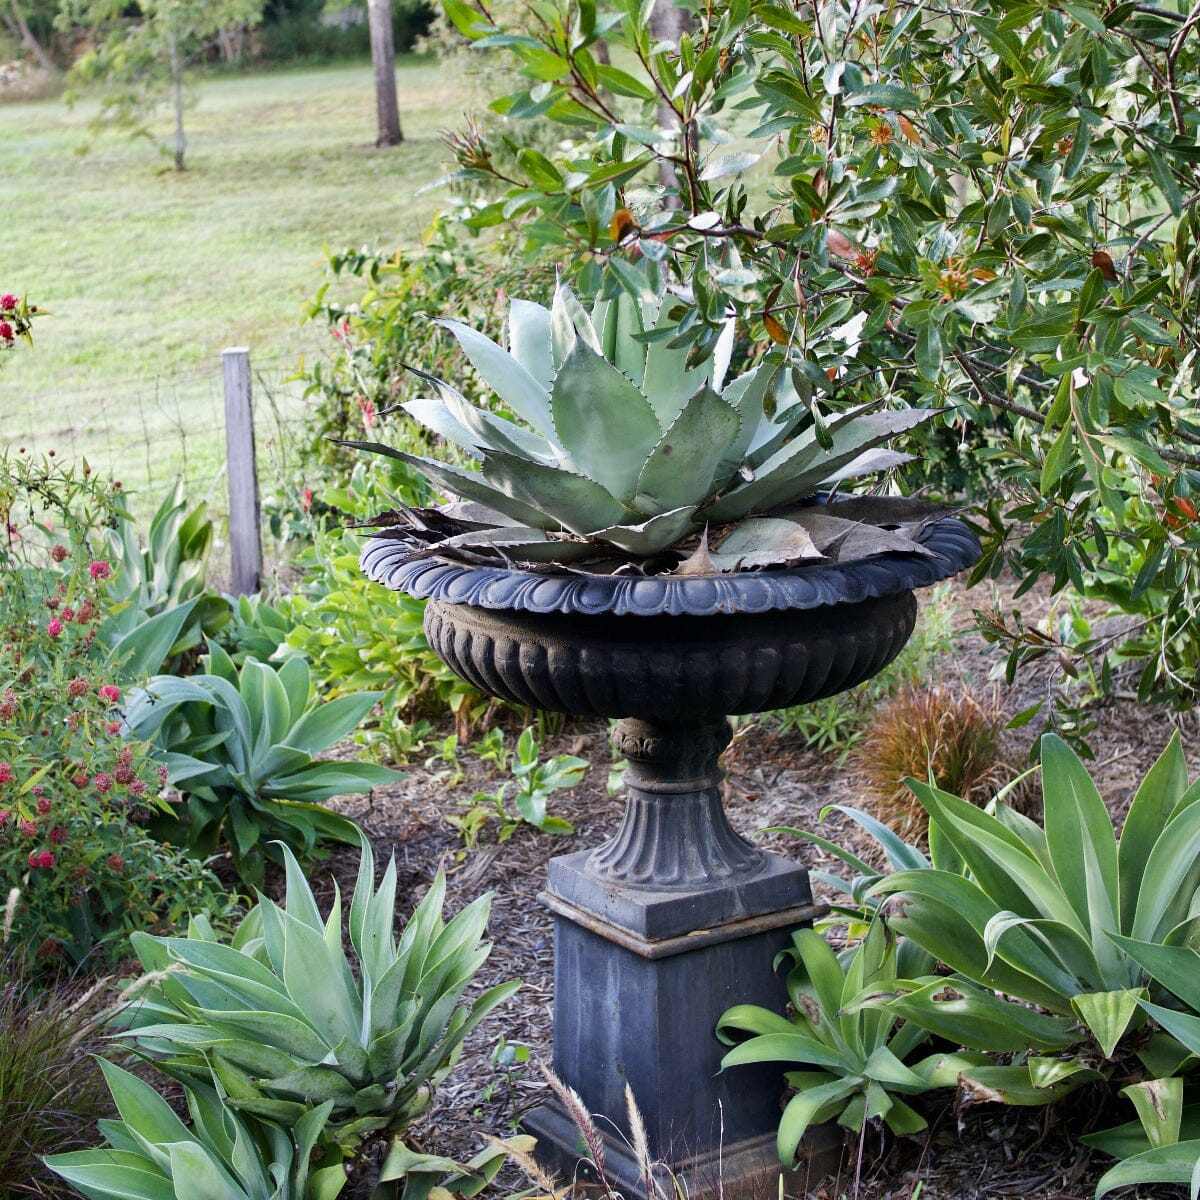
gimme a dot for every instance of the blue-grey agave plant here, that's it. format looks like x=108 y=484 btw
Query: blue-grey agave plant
x=627 y=448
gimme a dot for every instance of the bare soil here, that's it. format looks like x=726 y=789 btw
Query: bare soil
x=771 y=780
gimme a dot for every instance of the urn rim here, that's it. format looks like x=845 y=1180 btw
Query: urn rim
x=389 y=560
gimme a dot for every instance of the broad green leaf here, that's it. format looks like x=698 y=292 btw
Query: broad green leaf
x=810 y=1106
x=1080 y=839
x=947 y=914
x=331 y=721
x=784 y=1047
x=1006 y=869
x=1177 y=968
x=969 y=1016
x=113 y=1175
x=1184 y=1027
x=506 y=376
x=603 y=422
x=1171 y=877
x=1167 y=1164
x=652 y=536
x=559 y=499
x=1159 y=1104
x=529 y=340
x=1108 y=1014
x=682 y=466
x=1012 y=1085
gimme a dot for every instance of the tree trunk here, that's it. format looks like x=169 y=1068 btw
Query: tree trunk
x=28 y=40
x=668 y=24
x=383 y=58
x=177 y=97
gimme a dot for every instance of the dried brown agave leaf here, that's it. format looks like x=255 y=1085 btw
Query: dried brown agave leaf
x=699 y=562
x=865 y=541
x=888 y=511
x=765 y=542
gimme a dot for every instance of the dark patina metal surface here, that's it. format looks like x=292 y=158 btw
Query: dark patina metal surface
x=387 y=560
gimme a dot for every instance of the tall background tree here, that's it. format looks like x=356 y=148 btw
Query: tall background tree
x=142 y=52
x=383 y=60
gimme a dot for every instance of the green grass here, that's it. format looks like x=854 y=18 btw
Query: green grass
x=149 y=274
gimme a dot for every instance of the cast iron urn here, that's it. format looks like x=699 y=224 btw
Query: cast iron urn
x=677 y=917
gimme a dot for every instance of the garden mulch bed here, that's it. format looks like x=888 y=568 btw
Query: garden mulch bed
x=772 y=780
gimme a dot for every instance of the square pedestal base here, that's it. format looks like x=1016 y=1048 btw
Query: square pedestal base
x=638 y=1011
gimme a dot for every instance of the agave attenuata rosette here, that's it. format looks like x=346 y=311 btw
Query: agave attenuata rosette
x=625 y=450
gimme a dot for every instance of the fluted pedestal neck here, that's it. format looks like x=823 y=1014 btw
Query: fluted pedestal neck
x=674 y=834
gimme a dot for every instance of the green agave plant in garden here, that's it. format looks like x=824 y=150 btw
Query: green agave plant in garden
x=153 y=1155
x=282 y=1021
x=240 y=743
x=628 y=447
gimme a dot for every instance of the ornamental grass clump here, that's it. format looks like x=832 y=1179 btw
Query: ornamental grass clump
x=51 y=1092
x=628 y=447
x=941 y=734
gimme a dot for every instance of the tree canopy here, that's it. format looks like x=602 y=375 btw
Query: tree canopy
x=993 y=212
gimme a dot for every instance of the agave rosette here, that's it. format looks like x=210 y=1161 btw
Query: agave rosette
x=626 y=449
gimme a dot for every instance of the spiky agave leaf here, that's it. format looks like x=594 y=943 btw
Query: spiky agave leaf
x=626 y=445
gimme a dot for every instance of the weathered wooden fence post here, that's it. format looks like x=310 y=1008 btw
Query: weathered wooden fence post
x=245 y=543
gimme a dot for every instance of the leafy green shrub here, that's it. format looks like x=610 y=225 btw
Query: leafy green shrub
x=75 y=794
x=358 y=636
x=50 y=1089
x=994 y=213
x=939 y=733
x=282 y=1018
x=389 y=327
x=854 y=1057
x=241 y=744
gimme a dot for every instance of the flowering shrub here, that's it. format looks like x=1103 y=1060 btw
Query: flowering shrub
x=15 y=317
x=74 y=793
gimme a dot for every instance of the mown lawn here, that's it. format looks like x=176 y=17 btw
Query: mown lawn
x=149 y=273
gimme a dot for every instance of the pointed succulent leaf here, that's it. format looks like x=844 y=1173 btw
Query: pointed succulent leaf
x=510 y=381
x=520 y=544
x=1153 y=805
x=870 y=462
x=746 y=394
x=485 y=429
x=468 y=485
x=681 y=468
x=653 y=536
x=603 y=421
x=561 y=499
x=617 y=323
x=437 y=418
x=529 y=340
x=798 y=469
x=569 y=325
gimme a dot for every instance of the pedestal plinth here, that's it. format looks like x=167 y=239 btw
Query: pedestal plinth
x=659 y=931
